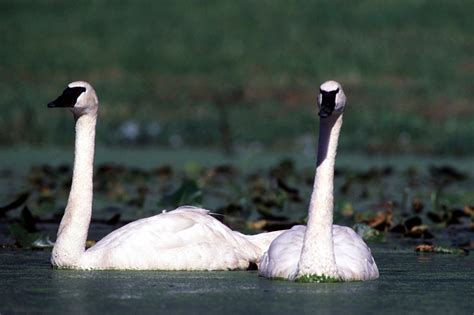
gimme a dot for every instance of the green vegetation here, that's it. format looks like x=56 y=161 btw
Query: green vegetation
x=407 y=67
x=317 y=279
x=388 y=202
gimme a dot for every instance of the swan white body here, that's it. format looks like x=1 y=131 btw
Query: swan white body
x=322 y=249
x=353 y=258
x=187 y=238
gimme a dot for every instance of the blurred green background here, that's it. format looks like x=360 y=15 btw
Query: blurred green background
x=234 y=75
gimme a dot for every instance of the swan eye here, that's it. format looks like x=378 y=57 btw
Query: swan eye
x=337 y=91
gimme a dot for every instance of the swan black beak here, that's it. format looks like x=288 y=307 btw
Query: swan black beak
x=325 y=112
x=68 y=98
x=328 y=103
x=327 y=106
x=53 y=104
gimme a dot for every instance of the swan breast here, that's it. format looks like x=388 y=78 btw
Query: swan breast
x=353 y=257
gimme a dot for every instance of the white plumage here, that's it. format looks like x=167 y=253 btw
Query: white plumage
x=353 y=257
x=320 y=249
x=187 y=238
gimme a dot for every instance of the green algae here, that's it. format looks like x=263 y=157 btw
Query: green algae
x=317 y=279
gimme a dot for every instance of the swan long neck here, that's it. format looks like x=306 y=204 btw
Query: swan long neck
x=72 y=233
x=317 y=256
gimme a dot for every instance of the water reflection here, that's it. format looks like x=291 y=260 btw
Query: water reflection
x=424 y=258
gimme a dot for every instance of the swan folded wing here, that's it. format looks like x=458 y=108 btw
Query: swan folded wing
x=353 y=257
x=281 y=259
x=184 y=239
x=262 y=240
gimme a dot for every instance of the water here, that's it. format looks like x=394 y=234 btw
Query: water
x=409 y=282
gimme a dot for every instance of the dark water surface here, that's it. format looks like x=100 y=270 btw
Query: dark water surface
x=409 y=282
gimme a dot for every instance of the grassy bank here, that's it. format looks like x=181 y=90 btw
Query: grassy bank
x=406 y=66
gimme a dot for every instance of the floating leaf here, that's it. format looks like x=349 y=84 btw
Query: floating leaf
x=265 y=212
x=441 y=250
x=14 y=204
x=27 y=220
x=382 y=221
x=347 y=210
x=435 y=217
x=285 y=168
x=367 y=232
x=419 y=231
x=447 y=173
x=187 y=194
x=454 y=216
x=469 y=210
x=165 y=171
x=412 y=222
x=417 y=205
x=399 y=228
x=268 y=225
x=25 y=239
x=114 y=219
x=292 y=193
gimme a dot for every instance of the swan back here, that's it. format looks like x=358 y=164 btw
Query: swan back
x=187 y=238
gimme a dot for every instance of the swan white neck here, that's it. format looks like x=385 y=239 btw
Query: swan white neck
x=72 y=233
x=317 y=256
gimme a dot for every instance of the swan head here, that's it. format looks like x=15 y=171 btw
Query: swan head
x=79 y=97
x=331 y=99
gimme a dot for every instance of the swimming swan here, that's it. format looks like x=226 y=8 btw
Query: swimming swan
x=187 y=238
x=321 y=251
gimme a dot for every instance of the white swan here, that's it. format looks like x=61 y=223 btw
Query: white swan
x=321 y=251
x=187 y=238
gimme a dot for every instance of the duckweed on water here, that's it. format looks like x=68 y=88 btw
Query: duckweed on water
x=317 y=279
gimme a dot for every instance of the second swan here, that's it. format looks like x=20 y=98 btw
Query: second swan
x=187 y=238
x=321 y=251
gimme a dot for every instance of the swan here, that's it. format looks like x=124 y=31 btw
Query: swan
x=321 y=251
x=187 y=238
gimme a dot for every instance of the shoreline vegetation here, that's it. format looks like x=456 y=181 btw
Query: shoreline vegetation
x=406 y=200
x=166 y=75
